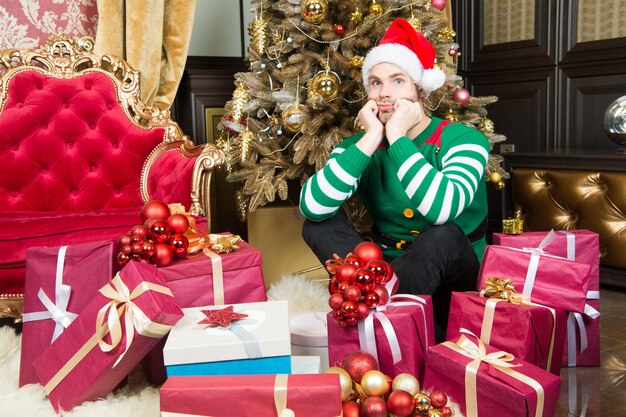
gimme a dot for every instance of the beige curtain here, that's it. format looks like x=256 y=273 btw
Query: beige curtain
x=152 y=36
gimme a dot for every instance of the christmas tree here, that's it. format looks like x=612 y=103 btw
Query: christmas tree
x=304 y=90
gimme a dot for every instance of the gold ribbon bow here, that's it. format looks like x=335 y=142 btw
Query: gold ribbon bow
x=499 y=360
x=224 y=243
x=497 y=287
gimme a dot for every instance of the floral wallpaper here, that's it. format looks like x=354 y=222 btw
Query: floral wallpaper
x=28 y=23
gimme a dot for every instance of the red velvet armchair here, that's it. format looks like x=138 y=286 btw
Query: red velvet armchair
x=80 y=154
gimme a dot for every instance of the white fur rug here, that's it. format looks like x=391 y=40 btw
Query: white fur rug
x=302 y=293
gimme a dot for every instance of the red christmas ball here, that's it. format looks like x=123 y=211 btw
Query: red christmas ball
x=156 y=209
x=446 y=412
x=351 y=409
x=339 y=29
x=345 y=272
x=372 y=299
x=354 y=260
x=180 y=243
x=368 y=251
x=149 y=222
x=461 y=96
x=348 y=307
x=453 y=52
x=383 y=294
x=342 y=285
x=438 y=399
x=374 y=407
x=148 y=249
x=126 y=250
x=362 y=310
x=333 y=286
x=438 y=4
x=357 y=363
x=335 y=301
x=352 y=293
x=381 y=270
x=178 y=223
x=138 y=231
x=124 y=240
x=122 y=259
x=136 y=248
x=159 y=232
x=364 y=279
x=350 y=321
x=400 y=403
x=163 y=254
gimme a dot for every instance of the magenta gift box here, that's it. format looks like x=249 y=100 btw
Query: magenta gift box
x=315 y=395
x=496 y=393
x=414 y=329
x=77 y=368
x=66 y=277
x=528 y=332
x=581 y=246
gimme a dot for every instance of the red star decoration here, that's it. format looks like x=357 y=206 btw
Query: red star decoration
x=221 y=317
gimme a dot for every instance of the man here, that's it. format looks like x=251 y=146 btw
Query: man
x=420 y=178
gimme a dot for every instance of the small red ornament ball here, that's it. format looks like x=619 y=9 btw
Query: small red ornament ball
x=159 y=232
x=163 y=254
x=446 y=412
x=364 y=280
x=368 y=251
x=357 y=363
x=138 y=231
x=345 y=272
x=122 y=259
x=382 y=270
x=156 y=209
x=354 y=260
x=372 y=299
x=352 y=293
x=461 y=96
x=438 y=399
x=178 y=223
x=362 y=310
x=453 y=52
x=382 y=292
x=374 y=407
x=335 y=301
x=400 y=403
x=339 y=29
x=351 y=409
x=333 y=286
x=180 y=244
x=148 y=249
x=438 y=4
x=124 y=240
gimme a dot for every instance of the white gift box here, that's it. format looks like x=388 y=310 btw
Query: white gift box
x=309 y=335
x=305 y=365
x=257 y=344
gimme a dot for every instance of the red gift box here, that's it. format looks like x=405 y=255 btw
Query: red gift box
x=398 y=334
x=533 y=333
x=123 y=321
x=486 y=382
x=582 y=246
x=315 y=395
x=548 y=280
x=60 y=281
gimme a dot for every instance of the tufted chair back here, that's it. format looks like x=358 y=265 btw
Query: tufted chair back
x=565 y=200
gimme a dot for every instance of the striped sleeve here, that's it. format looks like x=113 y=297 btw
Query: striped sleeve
x=330 y=187
x=440 y=196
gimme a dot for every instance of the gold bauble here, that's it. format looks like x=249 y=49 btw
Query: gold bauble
x=374 y=383
x=357 y=61
x=500 y=185
x=422 y=402
x=258 y=31
x=314 y=11
x=356 y=16
x=345 y=382
x=376 y=9
x=294 y=117
x=434 y=412
x=245 y=144
x=240 y=101
x=451 y=116
x=325 y=84
x=406 y=382
x=495 y=177
x=486 y=125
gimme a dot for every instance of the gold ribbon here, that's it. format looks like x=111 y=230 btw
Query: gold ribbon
x=499 y=360
x=497 y=287
x=135 y=319
x=224 y=243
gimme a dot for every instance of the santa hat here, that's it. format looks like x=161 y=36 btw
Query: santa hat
x=410 y=51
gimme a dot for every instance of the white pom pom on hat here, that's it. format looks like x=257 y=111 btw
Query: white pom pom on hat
x=409 y=50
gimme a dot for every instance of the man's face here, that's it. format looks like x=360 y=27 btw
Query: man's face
x=388 y=83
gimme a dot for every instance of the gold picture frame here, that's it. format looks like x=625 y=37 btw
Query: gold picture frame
x=212 y=117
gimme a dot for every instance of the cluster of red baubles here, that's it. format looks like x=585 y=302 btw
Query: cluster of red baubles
x=358 y=283
x=158 y=240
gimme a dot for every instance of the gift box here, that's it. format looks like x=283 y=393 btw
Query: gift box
x=258 y=343
x=548 y=280
x=212 y=279
x=398 y=334
x=305 y=365
x=533 y=333
x=487 y=382
x=582 y=246
x=60 y=282
x=309 y=335
x=122 y=322
x=251 y=396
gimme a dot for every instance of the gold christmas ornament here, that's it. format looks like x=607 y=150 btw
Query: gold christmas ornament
x=325 y=84
x=451 y=116
x=357 y=61
x=495 y=177
x=486 y=125
x=500 y=185
x=422 y=402
x=446 y=33
x=415 y=22
x=376 y=8
x=241 y=204
x=226 y=147
x=513 y=226
x=294 y=117
x=314 y=11
x=241 y=96
x=345 y=381
x=245 y=144
x=374 y=383
x=406 y=382
x=356 y=16
x=357 y=126
x=258 y=31
x=434 y=412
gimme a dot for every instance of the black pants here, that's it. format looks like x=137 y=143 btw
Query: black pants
x=441 y=260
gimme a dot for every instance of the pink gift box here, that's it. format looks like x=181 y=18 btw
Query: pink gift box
x=65 y=278
x=525 y=331
x=414 y=331
x=495 y=393
x=582 y=246
x=315 y=395
x=76 y=368
x=555 y=282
